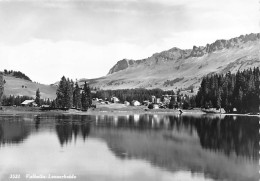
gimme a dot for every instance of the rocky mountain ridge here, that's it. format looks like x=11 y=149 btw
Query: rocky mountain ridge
x=182 y=69
x=176 y=53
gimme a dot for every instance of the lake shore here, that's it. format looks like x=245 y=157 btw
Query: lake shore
x=112 y=109
x=107 y=109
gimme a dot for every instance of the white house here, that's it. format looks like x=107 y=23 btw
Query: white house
x=155 y=106
x=135 y=103
x=29 y=103
x=114 y=99
x=127 y=103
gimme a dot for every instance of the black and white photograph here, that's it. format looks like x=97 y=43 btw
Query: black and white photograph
x=129 y=90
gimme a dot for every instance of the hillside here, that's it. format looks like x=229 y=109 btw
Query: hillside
x=17 y=86
x=177 y=68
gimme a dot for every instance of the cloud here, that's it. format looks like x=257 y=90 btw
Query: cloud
x=133 y=21
x=46 y=61
x=92 y=21
x=62 y=32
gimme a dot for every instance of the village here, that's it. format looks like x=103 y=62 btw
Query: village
x=98 y=104
x=155 y=103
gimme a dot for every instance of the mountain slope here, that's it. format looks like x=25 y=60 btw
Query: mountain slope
x=16 y=86
x=177 y=68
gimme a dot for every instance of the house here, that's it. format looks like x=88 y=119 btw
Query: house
x=153 y=99
x=45 y=107
x=156 y=106
x=135 y=103
x=153 y=106
x=114 y=99
x=127 y=103
x=29 y=103
x=158 y=100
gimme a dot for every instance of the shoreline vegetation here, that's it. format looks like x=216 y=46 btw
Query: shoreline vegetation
x=111 y=109
x=229 y=94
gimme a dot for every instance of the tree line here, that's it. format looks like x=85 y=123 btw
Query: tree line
x=17 y=100
x=2 y=82
x=240 y=90
x=17 y=74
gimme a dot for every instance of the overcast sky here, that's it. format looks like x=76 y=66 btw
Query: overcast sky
x=46 y=39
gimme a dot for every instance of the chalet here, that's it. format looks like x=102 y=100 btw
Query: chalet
x=156 y=100
x=155 y=106
x=29 y=103
x=127 y=103
x=153 y=99
x=114 y=99
x=135 y=103
x=95 y=99
x=45 y=107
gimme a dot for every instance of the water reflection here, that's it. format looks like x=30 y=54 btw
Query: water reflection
x=230 y=135
x=220 y=147
x=13 y=130
x=227 y=134
x=65 y=132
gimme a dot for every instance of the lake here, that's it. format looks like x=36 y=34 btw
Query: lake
x=130 y=147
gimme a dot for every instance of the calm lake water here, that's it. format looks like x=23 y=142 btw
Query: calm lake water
x=130 y=147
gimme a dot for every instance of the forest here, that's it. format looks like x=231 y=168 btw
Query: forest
x=232 y=92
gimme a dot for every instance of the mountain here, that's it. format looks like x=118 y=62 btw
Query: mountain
x=18 y=86
x=181 y=69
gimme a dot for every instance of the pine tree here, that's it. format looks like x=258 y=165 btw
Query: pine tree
x=172 y=102
x=61 y=93
x=77 y=97
x=86 y=97
x=68 y=94
x=219 y=99
x=38 y=97
x=64 y=94
x=54 y=104
x=1 y=88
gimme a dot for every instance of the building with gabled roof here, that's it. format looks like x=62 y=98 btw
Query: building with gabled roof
x=29 y=103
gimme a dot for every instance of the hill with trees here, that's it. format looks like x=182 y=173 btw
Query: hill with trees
x=16 y=74
x=21 y=87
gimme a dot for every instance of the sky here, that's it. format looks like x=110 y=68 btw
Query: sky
x=46 y=39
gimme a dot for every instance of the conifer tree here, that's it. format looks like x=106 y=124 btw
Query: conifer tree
x=38 y=97
x=1 y=88
x=172 y=102
x=60 y=100
x=68 y=94
x=86 y=97
x=64 y=94
x=77 y=97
